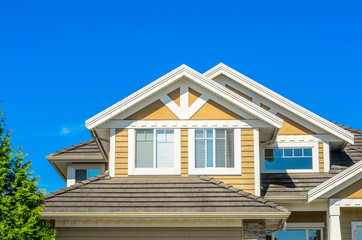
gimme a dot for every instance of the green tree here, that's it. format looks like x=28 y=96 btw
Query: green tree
x=20 y=197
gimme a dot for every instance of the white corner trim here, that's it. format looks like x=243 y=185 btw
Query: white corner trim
x=195 y=77
x=257 y=161
x=337 y=182
x=112 y=152
x=315 y=157
x=214 y=171
x=281 y=101
x=133 y=171
x=326 y=157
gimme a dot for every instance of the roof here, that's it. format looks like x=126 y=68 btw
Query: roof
x=84 y=149
x=298 y=184
x=281 y=101
x=196 y=77
x=337 y=182
x=157 y=194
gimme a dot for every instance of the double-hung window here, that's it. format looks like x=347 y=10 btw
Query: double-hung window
x=154 y=151
x=212 y=151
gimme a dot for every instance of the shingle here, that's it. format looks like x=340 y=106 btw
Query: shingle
x=88 y=148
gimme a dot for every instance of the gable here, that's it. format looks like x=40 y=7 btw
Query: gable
x=214 y=111
x=155 y=111
x=175 y=96
x=354 y=191
x=193 y=96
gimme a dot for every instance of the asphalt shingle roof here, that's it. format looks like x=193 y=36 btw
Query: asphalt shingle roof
x=88 y=148
x=155 y=194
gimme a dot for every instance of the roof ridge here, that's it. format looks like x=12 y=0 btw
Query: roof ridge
x=71 y=147
x=243 y=193
x=104 y=175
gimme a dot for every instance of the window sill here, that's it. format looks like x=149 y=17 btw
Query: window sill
x=291 y=171
x=214 y=171
x=153 y=172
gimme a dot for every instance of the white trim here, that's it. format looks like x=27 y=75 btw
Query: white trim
x=304 y=226
x=170 y=104
x=281 y=101
x=185 y=124
x=306 y=138
x=257 y=161
x=236 y=170
x=194 y=76
x=196 y=106
x=345 y=202
x=315 y=157
x=337 y=182
x=133 y=171
x=184 y=99
x=326 y=157
x=355 y=226
x=112 y=152
x=72 y=167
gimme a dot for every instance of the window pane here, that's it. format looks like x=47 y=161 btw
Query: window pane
x=209 y=133
x=93 y=172
x=220 y=148
x=199 y=153
x=80 y=175
x=283 y=159
x=144 y=148
x=359 y=233
x=210 y=152
x=199 y=133
x=290 y=234
x=164 y=149
x=230 y=148
x=314 y=234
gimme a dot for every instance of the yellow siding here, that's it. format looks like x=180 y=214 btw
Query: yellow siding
x=321 y=157
x=214 y=111
x=155 y=111
x=246 y=181
x=175 y=96
x=347 y=216
x=291 y=127
x=184 y=153
x=121 y=161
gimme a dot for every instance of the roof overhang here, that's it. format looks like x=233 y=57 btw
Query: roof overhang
x=196 y=77
x=281 y=101
x=337 y=183
x=77 y=158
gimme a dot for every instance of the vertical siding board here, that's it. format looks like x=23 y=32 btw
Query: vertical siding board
x=184 y=152
x=321 y=156
x=121 y=163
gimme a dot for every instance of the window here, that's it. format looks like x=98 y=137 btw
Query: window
x=208 y=140
x=356 y=230
x=214 y=151
x=83 y=174
x=160 y=142
x=290 y=157
x=154 y=152
x=298 y=234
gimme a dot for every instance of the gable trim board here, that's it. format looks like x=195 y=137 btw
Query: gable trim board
x=337 y=183
x=184 y=71
x=282 y=101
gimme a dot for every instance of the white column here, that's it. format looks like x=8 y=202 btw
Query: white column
x=334 y=226
x=256 y=162
x=112 y=152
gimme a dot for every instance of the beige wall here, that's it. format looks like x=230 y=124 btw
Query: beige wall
x=121 y=161
x=156 y=233
x=347 y=216
x=352 y=192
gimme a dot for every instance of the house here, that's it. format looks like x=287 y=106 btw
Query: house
x=209 y=156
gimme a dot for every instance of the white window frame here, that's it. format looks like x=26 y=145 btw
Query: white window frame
x=236 y=170
x=132 y=170
x=73 y=167
x=355 y=226
x=315 y=156
x=304 y=226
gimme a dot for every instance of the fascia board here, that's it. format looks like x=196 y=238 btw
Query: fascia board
x=68 y=158
x=280 y=100
x=196 y=77
x=337 y=182
x=163 y=215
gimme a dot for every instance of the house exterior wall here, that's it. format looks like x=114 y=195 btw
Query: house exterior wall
x=352 y=192
x=348 y=215
x=156 y=233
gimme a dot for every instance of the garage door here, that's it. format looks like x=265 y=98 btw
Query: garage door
x=148 y=233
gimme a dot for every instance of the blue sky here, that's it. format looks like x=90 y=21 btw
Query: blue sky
x=62 y=62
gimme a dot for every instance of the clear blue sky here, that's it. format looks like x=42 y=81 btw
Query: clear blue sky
x=64 y=61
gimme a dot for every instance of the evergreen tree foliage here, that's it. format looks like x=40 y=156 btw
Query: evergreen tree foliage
x=20 y=197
